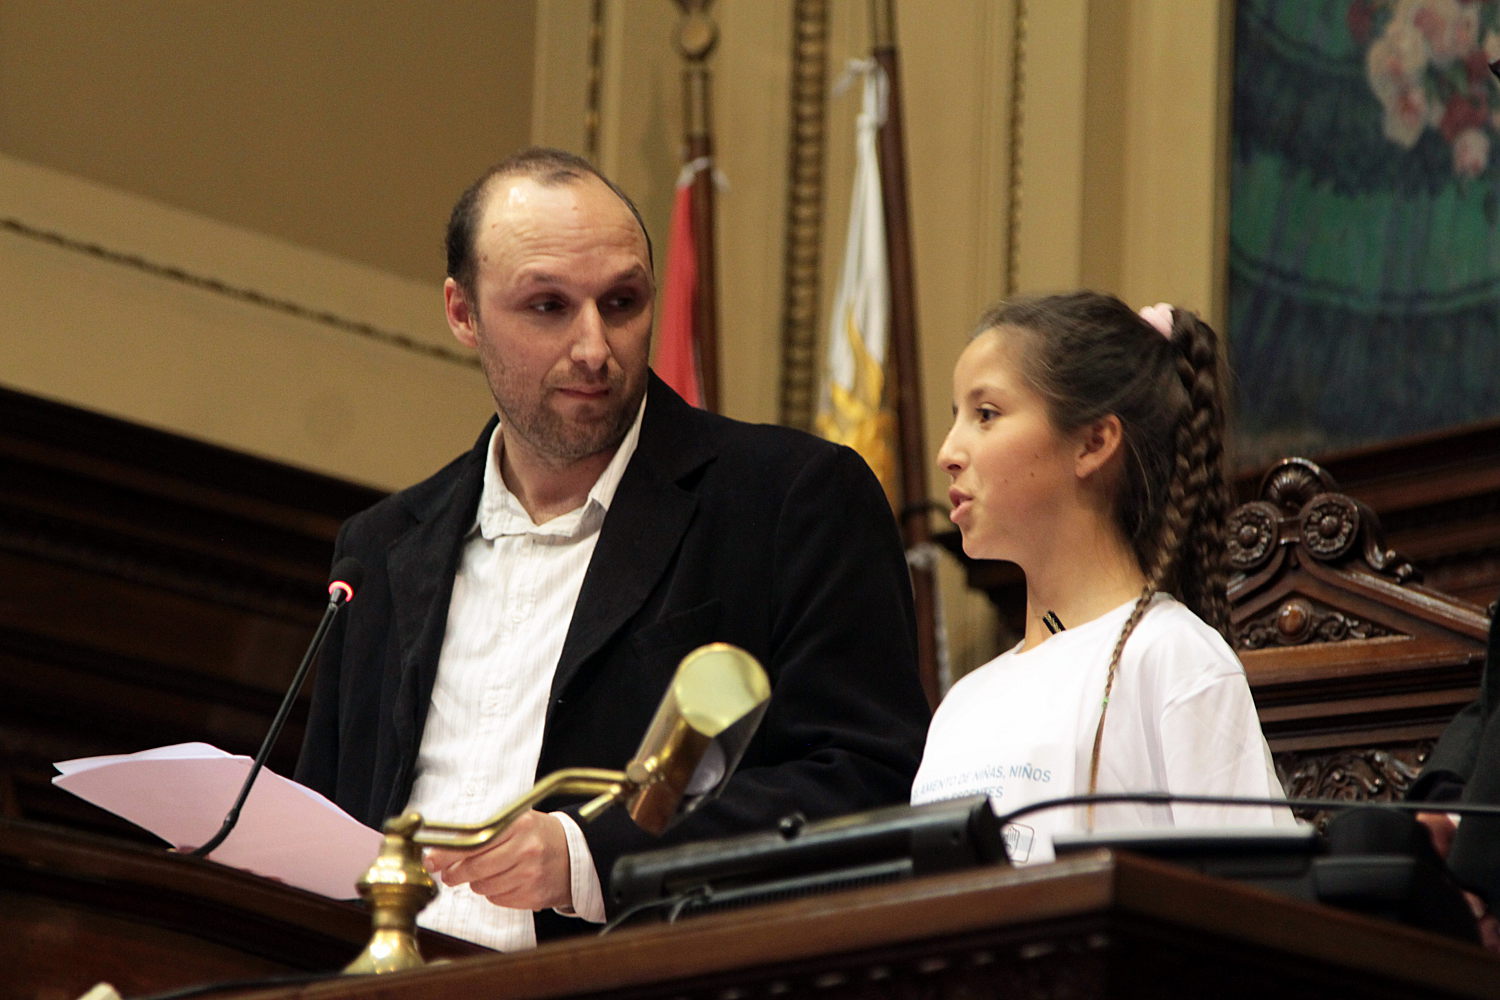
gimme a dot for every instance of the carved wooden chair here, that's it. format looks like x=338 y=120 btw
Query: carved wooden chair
x=1355 y=666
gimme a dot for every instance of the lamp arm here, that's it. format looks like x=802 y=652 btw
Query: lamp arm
x=609 y=786
x=397 y=885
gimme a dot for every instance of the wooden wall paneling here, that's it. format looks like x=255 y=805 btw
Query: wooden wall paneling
x=153 y=590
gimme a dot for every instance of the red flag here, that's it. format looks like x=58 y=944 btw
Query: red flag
x=677 y=345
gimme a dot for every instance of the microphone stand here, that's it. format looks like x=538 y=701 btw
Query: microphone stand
x=339 y=594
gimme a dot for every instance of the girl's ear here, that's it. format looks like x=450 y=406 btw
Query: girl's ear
x=1098 y=444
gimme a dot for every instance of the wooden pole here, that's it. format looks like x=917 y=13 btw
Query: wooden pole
x=696 y=37
x=906 y=383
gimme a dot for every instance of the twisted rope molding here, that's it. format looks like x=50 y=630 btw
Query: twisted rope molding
x=168 y=272
x=1016 y=120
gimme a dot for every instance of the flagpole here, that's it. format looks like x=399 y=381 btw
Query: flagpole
x=696 y=37
x=906 y=386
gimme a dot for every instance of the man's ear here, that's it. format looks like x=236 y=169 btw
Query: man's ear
x=1098 y=444
x=463 y=320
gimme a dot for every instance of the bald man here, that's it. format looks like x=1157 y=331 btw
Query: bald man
x=524 y=608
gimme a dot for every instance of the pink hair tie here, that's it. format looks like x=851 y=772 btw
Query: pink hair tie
x=1160 y=317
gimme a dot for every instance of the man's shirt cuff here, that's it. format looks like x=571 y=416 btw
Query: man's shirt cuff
x=588 y=899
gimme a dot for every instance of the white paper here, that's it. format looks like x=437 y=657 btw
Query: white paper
x=181 y=793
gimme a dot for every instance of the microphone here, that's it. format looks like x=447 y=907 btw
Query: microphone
x=345 y=579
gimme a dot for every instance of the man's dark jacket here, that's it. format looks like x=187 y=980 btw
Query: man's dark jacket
x=1465 y=767
x=759 y=536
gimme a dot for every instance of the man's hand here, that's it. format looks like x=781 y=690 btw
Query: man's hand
x=1442 y=829
x=1489 y=931
x=525 y=868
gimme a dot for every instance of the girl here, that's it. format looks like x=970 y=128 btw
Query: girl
x=1087 y=447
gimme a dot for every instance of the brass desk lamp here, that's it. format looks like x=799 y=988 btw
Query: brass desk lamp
x=700 y=731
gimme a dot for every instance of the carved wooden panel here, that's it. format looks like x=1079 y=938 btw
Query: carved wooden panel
x=1300 y=512
x=1300 y=620
x=1358 y=774
x=1438 y=498
x=1345 y=648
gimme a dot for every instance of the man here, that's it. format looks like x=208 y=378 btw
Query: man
x=1464 y=767
x=524 y=608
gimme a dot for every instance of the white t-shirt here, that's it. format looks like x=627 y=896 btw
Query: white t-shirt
x=1020 y=729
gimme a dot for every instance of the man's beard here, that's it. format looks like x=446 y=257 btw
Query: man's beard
x=561 y=440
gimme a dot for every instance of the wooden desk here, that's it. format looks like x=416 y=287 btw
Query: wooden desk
x=77 y=909
x=1099 y=925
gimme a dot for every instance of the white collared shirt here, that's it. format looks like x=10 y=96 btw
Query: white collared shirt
x=513 y=599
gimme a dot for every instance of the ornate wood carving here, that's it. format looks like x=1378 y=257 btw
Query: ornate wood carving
x=1301 y=517
x=1360 y=774
x=1299 y=621
x=1438 y=497
x=1345 y=649
x=1069 y=964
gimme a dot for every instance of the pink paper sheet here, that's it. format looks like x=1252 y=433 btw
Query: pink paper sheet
x=181 y=793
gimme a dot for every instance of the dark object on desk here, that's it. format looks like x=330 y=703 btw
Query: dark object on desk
x=1375 y=861
x=802 y=859
x=1278 y=859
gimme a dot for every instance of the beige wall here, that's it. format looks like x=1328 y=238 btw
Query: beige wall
x=382 y=396
x=340 y=125
x=302 y=152
x=307 y=153
x=1124 y=149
